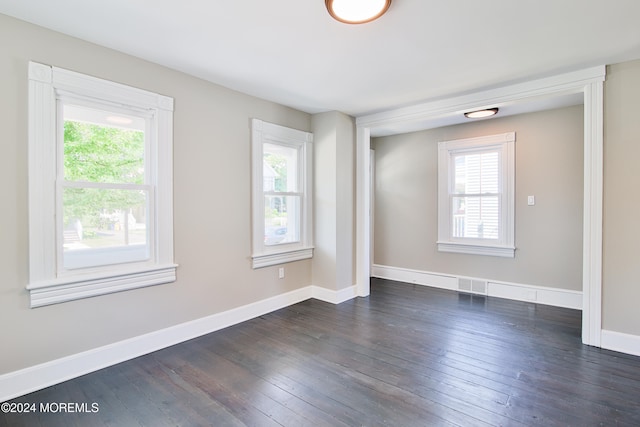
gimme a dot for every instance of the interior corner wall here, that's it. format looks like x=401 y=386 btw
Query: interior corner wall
x=621 y=232
x=212 y=211
x=334 y=198
x=549 y=166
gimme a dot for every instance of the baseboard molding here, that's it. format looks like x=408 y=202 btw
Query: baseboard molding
x=334 y=297
x=618 y=341
x=537 y=294
x=417 y=277
x=514 y=291
x=37 y=377
x=19 y=383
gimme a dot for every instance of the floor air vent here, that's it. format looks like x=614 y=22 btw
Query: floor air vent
x=472 y=285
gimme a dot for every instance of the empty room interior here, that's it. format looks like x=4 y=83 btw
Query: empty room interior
x=288 y=213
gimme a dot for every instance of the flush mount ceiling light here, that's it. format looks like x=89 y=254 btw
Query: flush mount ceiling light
x=357 y=11
x=481 y=113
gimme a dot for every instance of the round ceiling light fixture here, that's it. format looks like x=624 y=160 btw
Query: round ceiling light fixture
x=479 y=114
x=357 y=11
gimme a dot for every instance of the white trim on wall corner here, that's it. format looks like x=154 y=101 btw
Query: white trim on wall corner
x=334 y=297
x=618 y=341
x=514 y=291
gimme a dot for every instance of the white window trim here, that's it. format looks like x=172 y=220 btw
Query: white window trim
x=264 y=255
x=506 y=245
x=46 y=285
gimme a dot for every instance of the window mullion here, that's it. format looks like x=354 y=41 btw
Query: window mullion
x=104 y=185
x=283 y=193
x=476 y=194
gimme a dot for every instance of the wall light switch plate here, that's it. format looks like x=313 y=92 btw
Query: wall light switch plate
x=531 y=200
x=281 y=273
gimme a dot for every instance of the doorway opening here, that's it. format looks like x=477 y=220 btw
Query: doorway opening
x=585 y=83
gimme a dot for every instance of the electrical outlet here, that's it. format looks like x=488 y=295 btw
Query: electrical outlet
x=281 y=273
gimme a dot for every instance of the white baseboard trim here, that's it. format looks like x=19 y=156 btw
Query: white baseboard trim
x=515 y=291
x=19 y=383
x=435 y=280
x=618 y=341
x=334 y=297
x=37 y=377
x=537 y=294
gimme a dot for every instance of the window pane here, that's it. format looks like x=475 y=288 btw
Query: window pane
x=476 y=217
x=281 y=220
x=103 y=218
x=280 y=168
x=476 y=173
x=102 y=146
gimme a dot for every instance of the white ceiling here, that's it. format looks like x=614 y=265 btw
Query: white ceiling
x=292 y=52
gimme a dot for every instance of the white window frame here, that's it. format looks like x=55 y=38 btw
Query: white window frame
x=49 y=282
x=505 y=245
x=265 y=255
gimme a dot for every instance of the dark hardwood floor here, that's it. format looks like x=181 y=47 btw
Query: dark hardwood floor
x=405 y=356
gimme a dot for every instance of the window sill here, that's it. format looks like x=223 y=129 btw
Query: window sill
x=69 y=289
x=462 y=248
x=265 y=260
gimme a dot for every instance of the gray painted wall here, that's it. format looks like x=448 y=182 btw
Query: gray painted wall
x=334 y=200
x=212 y=205
x=621 y=240
x=549 y=165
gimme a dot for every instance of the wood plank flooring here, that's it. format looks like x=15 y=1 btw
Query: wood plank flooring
x=407 y=355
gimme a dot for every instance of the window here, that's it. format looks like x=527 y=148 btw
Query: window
x=103 y=186
x=100 y=186
x=282 y=210
x=476 y=195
